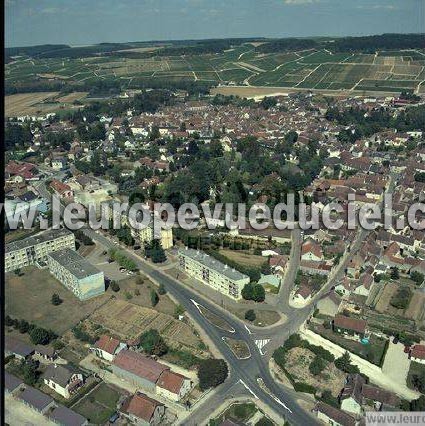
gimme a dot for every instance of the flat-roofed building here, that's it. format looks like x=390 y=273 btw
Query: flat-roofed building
x=76 y=273
x=28 y=251
x=213 y=273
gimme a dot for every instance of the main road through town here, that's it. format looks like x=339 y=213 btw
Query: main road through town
x=244 y=374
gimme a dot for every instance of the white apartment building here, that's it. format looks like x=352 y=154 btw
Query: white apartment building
x=213 y=273
x=19 y=254
x=76 y=274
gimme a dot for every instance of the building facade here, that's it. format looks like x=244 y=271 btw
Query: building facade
x=28 y=251
x=213 y=273
x=76 y=274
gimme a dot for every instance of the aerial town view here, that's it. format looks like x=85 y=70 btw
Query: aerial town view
x=214 y=212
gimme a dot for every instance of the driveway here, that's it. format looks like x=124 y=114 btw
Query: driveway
x=396 y=363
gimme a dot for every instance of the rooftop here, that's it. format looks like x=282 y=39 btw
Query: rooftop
x=171 y=381
x=48 y=235
x=67 y=417
x=74 y=263
x=11 y=382
x=140 y=406
x=139 y=365
x=213 y=264
x=35 y=398
x=17 y=346
x=348 y=323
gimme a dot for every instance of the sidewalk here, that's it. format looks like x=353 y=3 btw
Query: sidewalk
x=375 y=374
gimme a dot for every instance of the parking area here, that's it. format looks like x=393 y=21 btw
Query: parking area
x=99 y=258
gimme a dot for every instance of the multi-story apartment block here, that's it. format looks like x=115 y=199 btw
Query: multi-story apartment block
x=36 y=248
x=146 y=235
x=213 y=273
x=76 y=274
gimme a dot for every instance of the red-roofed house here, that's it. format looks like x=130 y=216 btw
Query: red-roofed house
x=61 y=189
x=24 y=170
x=417 y=354
x=142 y=410
x=138 y=369
x=311 y=251
x=352 y=326
x=107 y=347
x=173 y=386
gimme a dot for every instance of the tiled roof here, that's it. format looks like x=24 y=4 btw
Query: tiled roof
x=348 y=323
x=140 y=406
x=107 y=344
x=171 y=381
x=139 y=365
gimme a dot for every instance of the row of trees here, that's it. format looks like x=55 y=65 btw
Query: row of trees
x=38 y=335
x=122 y=260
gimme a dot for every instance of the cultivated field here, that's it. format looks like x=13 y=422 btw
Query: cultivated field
x=129 y=321
x=390 y=71
x=39 y=102
x=25 y=103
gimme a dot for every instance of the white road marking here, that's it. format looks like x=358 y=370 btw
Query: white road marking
x=261 y=383
x=198 y=307
x=247 y=329
x=260 y=344
x=248 y=389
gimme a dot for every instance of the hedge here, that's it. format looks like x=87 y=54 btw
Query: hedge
x=304 y=387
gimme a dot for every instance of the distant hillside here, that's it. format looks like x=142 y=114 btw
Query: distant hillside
x=388 y=63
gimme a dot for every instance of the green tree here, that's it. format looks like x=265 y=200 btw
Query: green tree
x=395 y=274
x=417 y=277
x=115 y=286
x=39 y=336
x=344 y=364
x=152 y=343
x=161 y=289
x=178 y=310
x=250 y=315
x=317 y=366
x=29 y=370
x=154 y=298
x=259 y=294
x=23 y=326
x=418 y=404
x=56 y=300
x=212 y=372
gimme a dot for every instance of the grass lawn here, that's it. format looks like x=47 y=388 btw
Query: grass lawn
x=263 y=318
x=105 y=395
x=243 y=257
x=99 y=405
x=240 y=412
x=29 y=297
x=416 y=369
